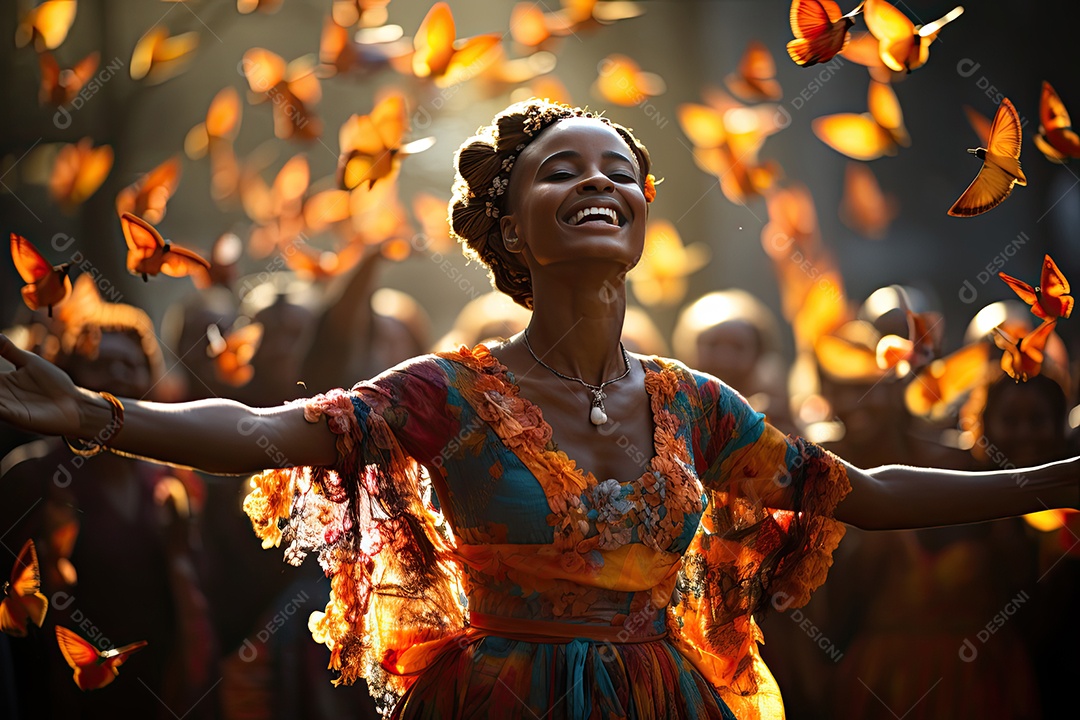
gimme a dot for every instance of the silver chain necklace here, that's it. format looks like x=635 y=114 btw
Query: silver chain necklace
x=597 y=414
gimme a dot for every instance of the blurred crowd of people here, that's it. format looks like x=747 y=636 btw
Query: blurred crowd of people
x=957 y=622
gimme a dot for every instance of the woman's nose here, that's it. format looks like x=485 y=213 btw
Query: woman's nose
x=595 y=181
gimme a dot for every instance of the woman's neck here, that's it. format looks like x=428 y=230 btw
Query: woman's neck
x=577 y=325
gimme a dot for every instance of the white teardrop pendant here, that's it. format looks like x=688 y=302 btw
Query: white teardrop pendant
x=597 y=415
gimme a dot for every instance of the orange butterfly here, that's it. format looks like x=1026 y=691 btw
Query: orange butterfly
x=371 y=144
x=865 y=208
x=46 y=25
x=932 y=392
x=1001 y=165
x=158 y=56
x=755 y=79
x=660 y=277
x=215 y=136
x=820 y=29
x=232 y=353
x=367 y=49
x=23 y=601
x=845 y=355
x=313 y=263
x=866 y=136
x=292 y=90
x=59 y=87
x=46 y=284
x=245 y=7
x=901 y=44
x=862 y=49
x=278 y=208
x=1050 y=299
x=439 y=55
x=431 y=213
x=1024 y=355
x=147 y=196
x=149 y=254
x=94 y=669
x=1056 y=139
x=368 y=13
x=622 y=82
x=78 y=171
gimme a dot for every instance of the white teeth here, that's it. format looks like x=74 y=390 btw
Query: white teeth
x=586 y=212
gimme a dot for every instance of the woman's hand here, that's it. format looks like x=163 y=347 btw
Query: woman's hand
x=38 y=396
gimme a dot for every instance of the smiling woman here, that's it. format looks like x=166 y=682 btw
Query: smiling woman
x=493 y=550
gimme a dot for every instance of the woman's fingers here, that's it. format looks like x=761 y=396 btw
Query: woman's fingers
x=12 y=354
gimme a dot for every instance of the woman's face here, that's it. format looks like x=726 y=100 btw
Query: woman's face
x=575 y=194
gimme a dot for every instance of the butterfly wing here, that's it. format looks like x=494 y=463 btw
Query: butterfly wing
x=434 y=42
x=755 y=79
x=885 y=109
x=988 y=190
x=819 y=31
x=980 y=124
x=945 y=381
x=1054 y=298
x=23 y=602
x=894 y=31
x=145 y=245
x=30 y=263
x=1006 y=135
x=1024 y=291
x=181 y=262
x=858 y=136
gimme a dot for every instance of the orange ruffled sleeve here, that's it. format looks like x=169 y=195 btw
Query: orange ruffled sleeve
x=370 y=518
x=766 y=538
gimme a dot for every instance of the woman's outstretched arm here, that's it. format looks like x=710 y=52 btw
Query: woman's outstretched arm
x=894 y=497
x=217 y=436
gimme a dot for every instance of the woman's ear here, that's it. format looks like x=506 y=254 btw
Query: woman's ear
x=508 y=231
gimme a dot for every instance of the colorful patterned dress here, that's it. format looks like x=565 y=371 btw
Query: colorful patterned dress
x=476 y=572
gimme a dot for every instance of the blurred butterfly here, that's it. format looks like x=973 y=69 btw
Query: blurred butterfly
x=246 y=7
x=866 y=136
x=917 y=350
x=845 y=359
x=46 y=25
x=1050 y=299
x=367 y=13
x=61 y=541
x=755 y=79
x=312 y=263
x=622 y=82
x=158 y=56
x=60 y=86
x=78 y=171
x=371 y=144
x=149 y=254
x=1024 y=355
x=325 y=208
x=862 y=49
x=504 y=74
x=23 y=602
x=1056 y=139
x=901 y=44
x=820 y=29
x=147 y=196
x=865 y=208
x=378 y=219
x=46 y=284
x=823 y=309
x=545 y=86
x=232 y=353
x=660 y=277
x=343 y=50
x=94 y=669
x=979 y=123
x=292 y=90
x=934 y=390
x=1001 y=165
x=532 y=27
x=214 y=136
x=431 y=213
x=277 y=209
x=439 y=55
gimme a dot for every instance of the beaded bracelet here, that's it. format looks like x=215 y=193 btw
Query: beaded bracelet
x=90 y=448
